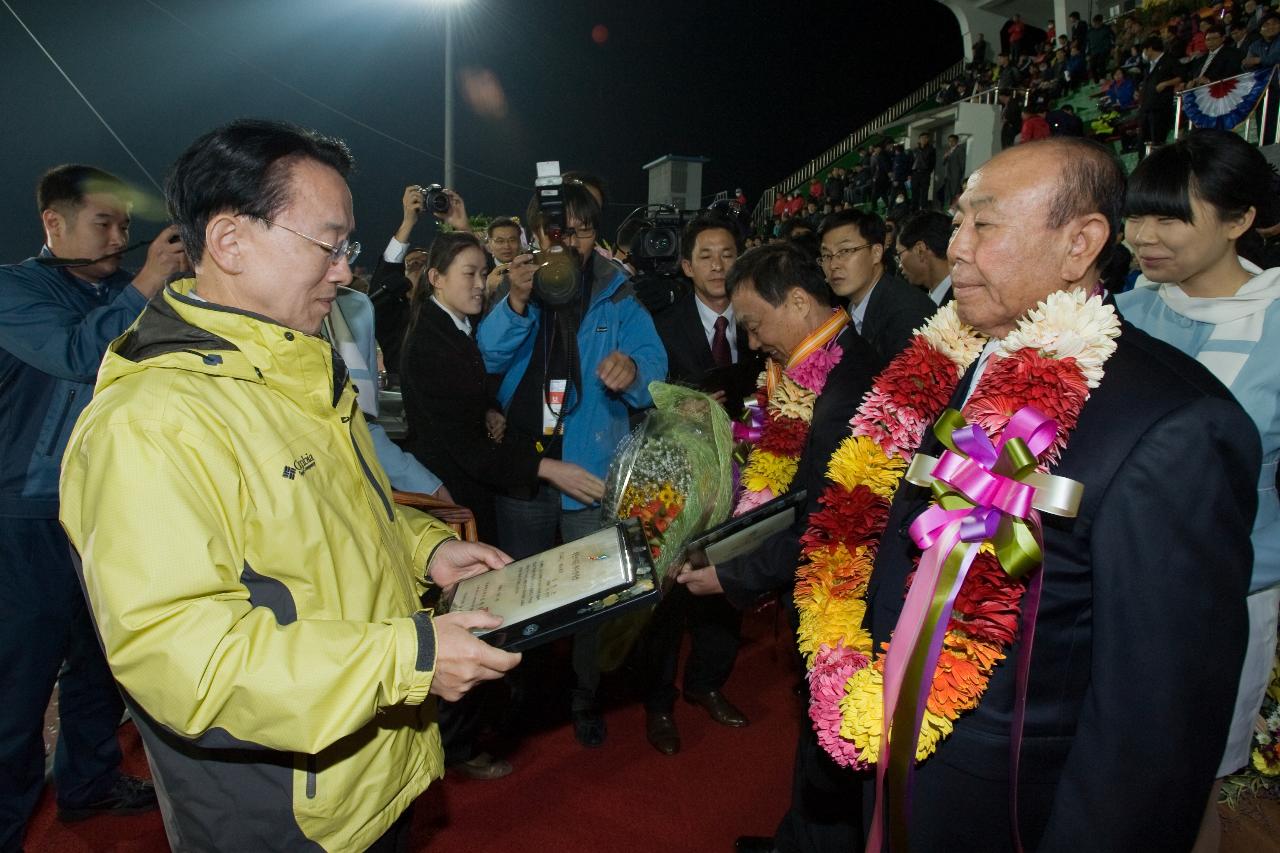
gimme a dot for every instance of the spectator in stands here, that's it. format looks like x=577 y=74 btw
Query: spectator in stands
x=1241 y=38
x=815 y=189
x=258 y=594
x=503 y=242
x=833 y=187
x=536 y=348
x=1221 y=61
x=980 y=48
x=1064 y=122
x=882 y=174
x=903 y=160
x=740 y=197
x=1155 y=104
x=1034 y=125
x=924 y=162
x=884 y=308
x=1076 y=70
x=1265 y=52
x=1010 y=117
x=1188 y=209
x=708 y=349
x=922 y=253
x=1079 y=30
x=1007 y=76
x=399 y=271
x=953 y=174
x=1254 y=12
x=1099 y=43
x=1196 y=46
x=55 y=325
x=1120 y=92
x=795 y=205
x=1016 y=31
x=780 y=205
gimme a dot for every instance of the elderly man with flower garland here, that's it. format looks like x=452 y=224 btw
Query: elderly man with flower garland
x=1141 y=620
x=782 y=300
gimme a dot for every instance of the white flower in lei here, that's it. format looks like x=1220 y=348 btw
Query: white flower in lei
x=949 y=335
x=1068 y=324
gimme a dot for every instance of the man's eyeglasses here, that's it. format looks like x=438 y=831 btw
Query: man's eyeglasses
x=348 y=249
x=840 y=254
x=583 y=233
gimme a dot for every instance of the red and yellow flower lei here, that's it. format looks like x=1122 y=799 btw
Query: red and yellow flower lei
x=786 y=397
x=1049 y=362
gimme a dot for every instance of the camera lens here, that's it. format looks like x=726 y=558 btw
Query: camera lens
x=437 y=201
x=659 y=243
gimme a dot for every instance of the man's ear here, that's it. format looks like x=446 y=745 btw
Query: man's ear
x=54 y=223
x=686 y=268
x=224 y=243
x=1089 y=236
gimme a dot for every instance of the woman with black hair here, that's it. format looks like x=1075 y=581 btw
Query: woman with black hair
x=1191 y=215
x=456 y=424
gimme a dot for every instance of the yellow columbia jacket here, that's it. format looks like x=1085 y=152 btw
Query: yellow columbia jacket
x=256 y=589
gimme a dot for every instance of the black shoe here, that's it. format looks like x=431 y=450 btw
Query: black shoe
x=721 y=709
x=754 y=844
x=660 y=729
x=129 y=795
x=588 y=727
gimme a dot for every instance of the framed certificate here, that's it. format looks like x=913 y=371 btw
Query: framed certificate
x=562 y=590
x=744 y=534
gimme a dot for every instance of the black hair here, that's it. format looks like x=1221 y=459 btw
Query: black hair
x=931 y=226
x=244 y=168
x=579 y=204
x=1217 y=28
x=1270 y=16
x=501 y=222
x=1219 y=167
x=443 y=252
x=706 y=222
x=869 y=225
x=792 y=225
x=64 y=187
x=1091 y=181
x=774 y=269
x=1154 y=43
x=588 y=179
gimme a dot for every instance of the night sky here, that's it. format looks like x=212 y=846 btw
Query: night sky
x=758 y=87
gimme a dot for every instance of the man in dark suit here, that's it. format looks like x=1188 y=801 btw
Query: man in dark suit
x=924 y=162
x=922 y=253
x=1138 y=646
x=884 y=308
x=780 y=296
x=1155 y=100
x=951 y=181
x=1222 y=61
x=706 y=348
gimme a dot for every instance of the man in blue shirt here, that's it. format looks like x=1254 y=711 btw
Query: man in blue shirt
x=55 y=324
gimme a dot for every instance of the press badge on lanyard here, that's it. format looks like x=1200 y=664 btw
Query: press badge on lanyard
x=552 y=403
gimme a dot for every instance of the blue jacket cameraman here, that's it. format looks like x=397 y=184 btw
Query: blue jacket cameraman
x=55 y=323
x=571 y=376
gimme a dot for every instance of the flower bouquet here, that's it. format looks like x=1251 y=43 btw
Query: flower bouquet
x=673 y=472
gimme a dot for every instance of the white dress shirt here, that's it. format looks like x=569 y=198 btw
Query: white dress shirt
x=940 y=290
x=462 y=321
x=859 y=311
x=708 y=318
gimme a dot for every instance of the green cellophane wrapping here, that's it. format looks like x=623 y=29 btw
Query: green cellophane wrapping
x=674 y=472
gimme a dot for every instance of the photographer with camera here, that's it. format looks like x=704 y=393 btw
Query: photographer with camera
x=577 y=353
x=58 y=312
x=399 y=271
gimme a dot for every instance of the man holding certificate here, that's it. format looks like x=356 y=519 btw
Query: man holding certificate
x=781 y=298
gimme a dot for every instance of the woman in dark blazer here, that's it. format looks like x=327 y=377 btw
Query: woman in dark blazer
x=455 y=422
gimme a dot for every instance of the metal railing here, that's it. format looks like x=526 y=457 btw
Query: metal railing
x=764 y=207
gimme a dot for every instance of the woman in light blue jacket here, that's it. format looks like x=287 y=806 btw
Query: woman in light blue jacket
x=1190 y=213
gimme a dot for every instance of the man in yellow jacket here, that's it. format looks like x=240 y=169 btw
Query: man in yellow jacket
x=255 y=588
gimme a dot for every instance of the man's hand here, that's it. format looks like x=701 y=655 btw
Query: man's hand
x=462 y=659
x=163 y=260
x=575 y=481
x=520 y=281
x=703 y=581
x=496 y=423
x=1251 y=62
x=412 y=202
x=443 y=494
x=456 y=215
x=617 y=371
x=456 y=561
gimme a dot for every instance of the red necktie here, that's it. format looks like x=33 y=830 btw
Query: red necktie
x=720 y=353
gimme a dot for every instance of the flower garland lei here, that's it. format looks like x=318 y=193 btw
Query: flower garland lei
x=1050 y=362
x=784 y=402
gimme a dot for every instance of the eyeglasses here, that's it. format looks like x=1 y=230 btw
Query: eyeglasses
x=346 y=249
x=583 y=233
x=840 y=254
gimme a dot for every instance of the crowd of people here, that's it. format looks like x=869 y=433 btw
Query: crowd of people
x=200 y=523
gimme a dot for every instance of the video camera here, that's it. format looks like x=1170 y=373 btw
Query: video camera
x=651 y=235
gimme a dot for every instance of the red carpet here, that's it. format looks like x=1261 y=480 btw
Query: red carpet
x=621 y=797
